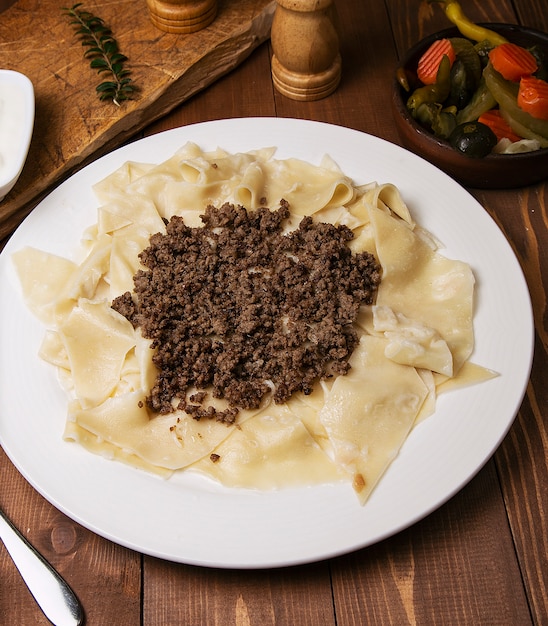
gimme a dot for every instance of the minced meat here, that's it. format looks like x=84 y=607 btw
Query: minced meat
x=241 y=309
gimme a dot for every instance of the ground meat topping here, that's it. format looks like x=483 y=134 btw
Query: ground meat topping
x=240 y=309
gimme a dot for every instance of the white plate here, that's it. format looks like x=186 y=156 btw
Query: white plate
x=189 y=519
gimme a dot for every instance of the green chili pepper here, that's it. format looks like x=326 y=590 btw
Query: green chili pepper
x=402 y=78
x=435 y=93
x=468 y=28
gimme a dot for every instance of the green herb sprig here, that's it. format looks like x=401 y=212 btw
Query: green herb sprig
x=103 y=53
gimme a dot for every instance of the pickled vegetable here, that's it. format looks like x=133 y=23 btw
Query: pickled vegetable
x=505 y=93
x=436 y=93
x=462 y=86
x=430 y=61
x=512 y=62
x=481 y=101
x=533 y=97
x=473 y=139
x=469 y=29
x=493 y=118
x=522 y=130
x=469 y=87
x=466 y=52
x=440 y=121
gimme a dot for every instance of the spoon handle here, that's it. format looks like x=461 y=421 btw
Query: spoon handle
x=51 y=592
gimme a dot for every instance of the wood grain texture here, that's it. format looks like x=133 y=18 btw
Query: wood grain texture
x=522 y=459
x=197 y=596
x=368 y=64
x=479 y=559
x=253 y=96
x=443 y=570
x=72 y=125
x=94 y=567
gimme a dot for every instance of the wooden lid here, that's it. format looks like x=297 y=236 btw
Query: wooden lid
x=182 y=16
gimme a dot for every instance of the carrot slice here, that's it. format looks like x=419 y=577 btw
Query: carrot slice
x=512 y=61
x=498 y=125
x=533 y=97
x=429 y=63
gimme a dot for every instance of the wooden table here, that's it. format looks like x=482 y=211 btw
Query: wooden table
x=480 y=559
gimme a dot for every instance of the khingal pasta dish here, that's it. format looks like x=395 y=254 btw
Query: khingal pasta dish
x=264 y=322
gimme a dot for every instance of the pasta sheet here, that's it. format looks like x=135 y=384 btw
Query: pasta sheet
x=416 y=339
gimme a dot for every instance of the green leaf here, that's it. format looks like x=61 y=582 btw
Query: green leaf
x=106 y=86
x=99 y=63
x=102 y=52
x=93 y=50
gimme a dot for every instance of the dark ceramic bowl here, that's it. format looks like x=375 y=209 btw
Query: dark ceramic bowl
x=495 y=171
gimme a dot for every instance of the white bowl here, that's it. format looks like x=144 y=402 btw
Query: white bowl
x=16 y=125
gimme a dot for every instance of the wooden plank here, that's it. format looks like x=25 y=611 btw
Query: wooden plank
x=532 y=13
x=453 y=567
x=412 y=21
x=522 y=459
x=398 y=581
x=72 y=126
x=179 y=594
x=368 y=63
x=444 y=570
x=253 y=97
x=94 y=567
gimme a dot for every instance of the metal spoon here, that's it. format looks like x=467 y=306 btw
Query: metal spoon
x=51 y=592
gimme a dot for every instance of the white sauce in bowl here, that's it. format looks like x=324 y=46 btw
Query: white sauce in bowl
x=12 y=108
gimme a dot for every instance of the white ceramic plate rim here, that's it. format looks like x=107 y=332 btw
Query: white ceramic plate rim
x=188 y=518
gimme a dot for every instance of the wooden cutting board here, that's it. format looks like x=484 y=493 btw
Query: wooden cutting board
x=72 y=126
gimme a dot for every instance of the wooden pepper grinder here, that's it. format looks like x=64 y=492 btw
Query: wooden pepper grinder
x=182 y=16
x=306 y=64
